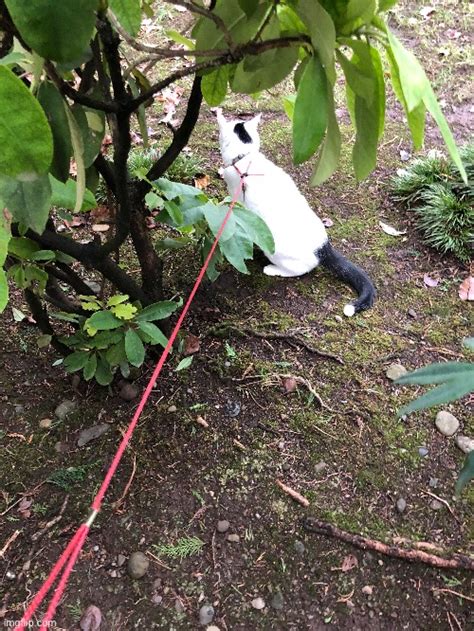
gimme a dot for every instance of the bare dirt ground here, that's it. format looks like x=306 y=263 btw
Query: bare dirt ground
x=352 y=458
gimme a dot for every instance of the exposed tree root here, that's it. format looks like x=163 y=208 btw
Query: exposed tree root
x=454 y=562
x=292 y=340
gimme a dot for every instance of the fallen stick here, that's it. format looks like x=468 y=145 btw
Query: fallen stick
x=294 y=494
x=455 y=562
x=8 y=543
x=444 y=590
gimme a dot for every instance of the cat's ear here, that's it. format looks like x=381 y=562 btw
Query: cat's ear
x=253 y=122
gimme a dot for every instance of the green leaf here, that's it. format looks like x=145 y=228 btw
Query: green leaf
x=103 y=374
x=128 y=13
x=37 y=277
x=157 y=311
x=214 y=216
x=322 y=32
x=214 y=86
x=289 y=105
x=115 y=354
x=117 y=299
x=171 y=190
x=184 y=363
x=328 y=158
x=310 y=116
x=255 y=228
x=22 y=247
x=43 y=255
x=437 y=373
x=384 y=5
x=212 y=272
x=416 y=89
x=249 y=6
x=240 y=26
x=103 y=321
x=134 y=349
x=64 y=195
x=78 y=151
x=57 y=31
x=14 y=58
x=4 y=243
x=174 y=211
x=91 y=124
x=266 y=71
x=90 y=367
x=53 y=105
x=43 y=340
x=76 y=361
x=154 y=333
x=466 y=474
x=359 y=82
x=27 y=200
x=361 y=10
x=124 y=311
x=26 y=140
x=180 y=39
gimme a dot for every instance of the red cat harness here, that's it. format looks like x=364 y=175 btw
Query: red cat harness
x=243 y=176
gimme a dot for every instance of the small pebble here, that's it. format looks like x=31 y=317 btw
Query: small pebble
x=19 y=409
x=320 y=466
x=213 y=628
x=338 y=318
x=401 y=505
x=206 y=614
x=45 y=423
x=258 y=603
x=368 y=590
x=446 y=423
x=121 y=560
x=227 y=364
x=113 y=574
x=423 y=451
x=464 y=443
x=138 y=565
x=436 y=505
x=172 y=408
x=394 y=371
x=10 y=576
x=299 y=547
x=232 y=408
x=433 y=482
x=223 y=525
x=412 y=313
x=233 y=538
x=156 y=599
x=64 y=409
x=91 y=433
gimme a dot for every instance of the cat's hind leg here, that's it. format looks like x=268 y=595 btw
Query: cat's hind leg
x=274 y=270
x=289 y=267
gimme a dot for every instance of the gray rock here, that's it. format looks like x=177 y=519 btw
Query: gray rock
x=233 y=538
x=464 y=443
x=423 y=451
x=446 y=423
x=121 y=560
x=368 y=590
x=206 y=614
x=233 y=408
x=394 y=371
x=223 y=525
x=91 y=433
x=156 y=599
x=65 y=408
x=299 y=547
x=128 y=391
x=436 y=505
x=433 y=482
x=401 y=505
x=172 y=408
x=277 y=600
x=320 y=466
x=138 y=565
x=94 y=285
x=258 y=603
x=19 y=409
x=412 y=313
x=45 y=423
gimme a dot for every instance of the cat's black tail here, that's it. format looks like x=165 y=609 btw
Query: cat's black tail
x=350 y=274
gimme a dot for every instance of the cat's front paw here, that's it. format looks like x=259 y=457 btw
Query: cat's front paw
x=272 y=270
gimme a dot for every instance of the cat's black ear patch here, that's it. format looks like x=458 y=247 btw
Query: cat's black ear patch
x=242 y=133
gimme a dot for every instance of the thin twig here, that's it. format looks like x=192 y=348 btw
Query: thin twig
x=157 y=560
x=116 y=504
x=440 y=499
x=51 y=522
x=445 y=590
x=456 y=561
x=292 y=493
x=9 y=541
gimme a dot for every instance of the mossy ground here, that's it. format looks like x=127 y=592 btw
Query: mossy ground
x=185 y=477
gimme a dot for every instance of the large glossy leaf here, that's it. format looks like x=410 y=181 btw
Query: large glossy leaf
x=128 y=13
x=157 y=311
x=26 y=141
x=437 y=373
x=56 y=30
x=103 y=321
x=240 y=26
x=91 y=124
x=134 y=349
x=64 y=195
x=322 y=32
x=53 y=105
x=154 y=333
x=310 y=114
x=28 y=201
x=466 y=474
x=214 y=216
x=255 y=228
x=248 y=6
x=417 y=89
x=214 y=86
x=76 y=361
x=78 y=150
x=103 y=374
x=328 y=158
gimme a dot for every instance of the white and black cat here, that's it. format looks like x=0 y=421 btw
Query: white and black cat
x=301 y=241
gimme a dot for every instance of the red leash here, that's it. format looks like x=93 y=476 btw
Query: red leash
x=73 y=549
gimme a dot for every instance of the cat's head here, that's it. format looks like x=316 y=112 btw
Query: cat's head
x=237 y=137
